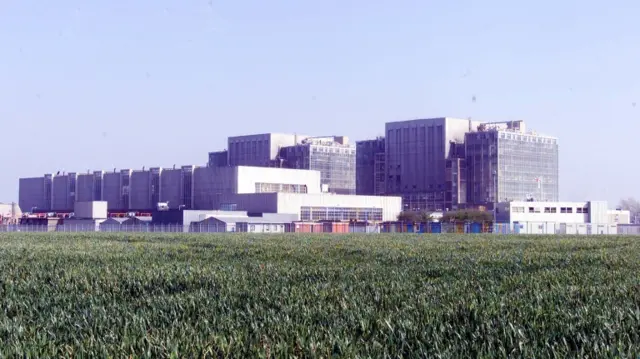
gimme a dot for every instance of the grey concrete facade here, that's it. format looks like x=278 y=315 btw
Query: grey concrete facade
x=259 y=150
x=116 y=190
x=210 y=183
x=86 y=188
x=171 y=187
x=370 y=167
x=416 y=154
x=140 y=191
x=32 y=195
x=63 y=192
x=218 y=159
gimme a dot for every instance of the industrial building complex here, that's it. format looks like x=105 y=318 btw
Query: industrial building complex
x=445 y=164
x=436 y=165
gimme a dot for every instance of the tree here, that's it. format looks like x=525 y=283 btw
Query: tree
x=467 y=216
x=414 y=216
x=632 y=205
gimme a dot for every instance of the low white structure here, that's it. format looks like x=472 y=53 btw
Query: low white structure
x=591 y=217
x=9 y=213
x=210 y=183
x=90 y=210
x=317 y=206
x=266 y=223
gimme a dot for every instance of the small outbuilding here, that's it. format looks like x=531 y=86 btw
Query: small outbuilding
x=267 y=223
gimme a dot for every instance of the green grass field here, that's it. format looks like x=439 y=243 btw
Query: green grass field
x=376 y=296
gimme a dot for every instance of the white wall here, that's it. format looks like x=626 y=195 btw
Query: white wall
x=543 y=217
x=598 y=212
x=619 y=217
x=291 y=203
x=598 y=220
x=90 y=210
x=247 y=178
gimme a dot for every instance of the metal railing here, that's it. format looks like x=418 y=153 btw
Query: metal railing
x=547 y=228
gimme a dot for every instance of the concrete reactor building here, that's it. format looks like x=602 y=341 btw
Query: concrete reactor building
x=259 y=150
x=507 y=163
x=332 y=156
x=416 y=154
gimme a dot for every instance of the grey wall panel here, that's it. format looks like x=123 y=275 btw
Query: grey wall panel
x=85 y=188
x=209 y=184
x=171 y=187
x=140 y=191
x=112 y=192
x=31 y=194
x=60 y=196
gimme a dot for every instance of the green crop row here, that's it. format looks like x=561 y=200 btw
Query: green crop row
x=313 y=296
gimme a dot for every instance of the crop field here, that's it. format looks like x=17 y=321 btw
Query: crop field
x=351 y=296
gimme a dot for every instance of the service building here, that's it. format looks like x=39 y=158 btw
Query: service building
x=211 y=183
x=591 y=217
x=318 y=206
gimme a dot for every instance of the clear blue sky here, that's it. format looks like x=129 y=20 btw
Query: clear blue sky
x=103 y=84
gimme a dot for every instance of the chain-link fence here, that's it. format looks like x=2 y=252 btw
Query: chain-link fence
x=547 y=228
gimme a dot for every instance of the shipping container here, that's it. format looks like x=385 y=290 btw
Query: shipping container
x=335 y=227
x=394 y=227
x=302 y=227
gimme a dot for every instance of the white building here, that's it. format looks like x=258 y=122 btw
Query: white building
x=591 y=217
x=317 y=206
x=210 y=183
x=9 y=213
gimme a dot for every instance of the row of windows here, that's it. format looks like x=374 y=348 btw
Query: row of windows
x=340 y=214
x=280 y=187
x=581 y=210
x=519 y=137
x=319 y=149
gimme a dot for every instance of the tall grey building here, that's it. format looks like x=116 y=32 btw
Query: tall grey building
x=64 y=192
x=507 y=163
x=416 y=154
x=259 y=150
x=370 y=167
x=35 y=193
x=333 y=156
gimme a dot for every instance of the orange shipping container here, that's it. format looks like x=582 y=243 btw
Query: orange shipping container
x=309 y=227
x=340 y=227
